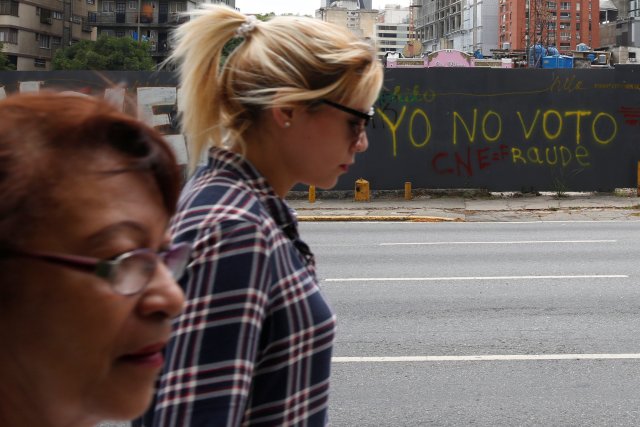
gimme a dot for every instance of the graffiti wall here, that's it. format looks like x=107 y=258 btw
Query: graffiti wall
x=499 y=129
x=506 y=130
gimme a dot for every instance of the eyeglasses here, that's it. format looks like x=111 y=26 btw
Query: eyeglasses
x=364 y=116
x=128 y=273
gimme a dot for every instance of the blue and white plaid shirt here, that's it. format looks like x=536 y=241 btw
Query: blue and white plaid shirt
x=253 y=346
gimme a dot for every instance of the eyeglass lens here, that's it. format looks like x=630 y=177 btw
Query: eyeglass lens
x=132 y=273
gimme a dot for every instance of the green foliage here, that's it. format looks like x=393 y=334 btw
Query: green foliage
x=5 y=65
x=107 y=53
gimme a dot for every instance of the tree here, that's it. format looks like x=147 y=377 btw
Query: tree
x=5 y=65
x=107 y=53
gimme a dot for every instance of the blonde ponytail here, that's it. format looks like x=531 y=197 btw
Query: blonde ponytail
x=285 y=62
x=198 y=49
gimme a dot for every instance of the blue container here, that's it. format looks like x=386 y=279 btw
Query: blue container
x=550 y=62
x=557 y=61
x=565 y=61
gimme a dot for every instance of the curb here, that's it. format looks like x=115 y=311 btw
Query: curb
x=379 y=218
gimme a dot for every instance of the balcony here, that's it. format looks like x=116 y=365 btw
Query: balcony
x=131 y=19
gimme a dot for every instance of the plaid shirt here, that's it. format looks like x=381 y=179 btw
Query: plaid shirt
x=253 y=346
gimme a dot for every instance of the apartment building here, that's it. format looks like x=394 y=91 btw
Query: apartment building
x=466 y=25
x=349 y=14
x=562 y=24
x=32 y=31
x=620 y=30
x=148 y=20
x=392 y=29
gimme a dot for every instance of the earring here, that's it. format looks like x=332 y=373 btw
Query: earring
x=287 y=125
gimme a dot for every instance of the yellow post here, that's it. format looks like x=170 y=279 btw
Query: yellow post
x=407 y=191
x=362 y=190
x=312 y=194
x=638 y=194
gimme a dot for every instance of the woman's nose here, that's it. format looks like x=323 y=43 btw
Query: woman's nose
x=363 y=142
x=163 y=295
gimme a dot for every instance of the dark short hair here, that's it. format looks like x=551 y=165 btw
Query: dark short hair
x=39 y=132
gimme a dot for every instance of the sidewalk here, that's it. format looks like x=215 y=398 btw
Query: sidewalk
x=489 y=207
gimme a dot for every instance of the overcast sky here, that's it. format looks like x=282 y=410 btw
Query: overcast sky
x=302 y=7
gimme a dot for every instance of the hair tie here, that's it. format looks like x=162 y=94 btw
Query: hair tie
x=245 y=29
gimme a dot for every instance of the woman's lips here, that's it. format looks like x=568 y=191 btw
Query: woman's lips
x=151 y=355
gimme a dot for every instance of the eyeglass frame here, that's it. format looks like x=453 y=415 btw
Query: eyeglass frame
x=104 y=268
x=359 y=114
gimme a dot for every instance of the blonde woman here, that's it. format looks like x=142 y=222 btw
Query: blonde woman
x=290 y=105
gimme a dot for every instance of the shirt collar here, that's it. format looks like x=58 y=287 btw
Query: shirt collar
x=224 y=161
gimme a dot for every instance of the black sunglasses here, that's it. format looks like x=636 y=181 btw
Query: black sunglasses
x=359 y=114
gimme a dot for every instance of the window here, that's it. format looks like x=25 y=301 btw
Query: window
x=9 y=35
x=133 y=5
x=39 y=63
x=108 y=6
x=45 y=41
x=177 y=7
x=56 y=15
x=565 y=5
x=8 y=7
x=56 y=41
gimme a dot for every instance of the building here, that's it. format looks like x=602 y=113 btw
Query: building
x=465 y=25
x=119 y=18
x=620 y=29
x=348 y=14
x=32 y=31
x=392 y=29
x=559 y=24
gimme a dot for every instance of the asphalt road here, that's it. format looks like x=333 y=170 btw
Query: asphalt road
x=483 y=323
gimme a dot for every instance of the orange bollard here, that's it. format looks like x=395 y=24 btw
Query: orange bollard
x=638 y=194
x=407 y=191
x=312 y=194
x=362 y=190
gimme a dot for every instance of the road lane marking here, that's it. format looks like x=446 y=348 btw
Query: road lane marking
x=512 y=242
x=434 y=279
x=491 y=357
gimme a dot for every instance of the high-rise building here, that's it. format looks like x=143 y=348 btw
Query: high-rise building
x=347 y=13
x=392 y=29
x=466 y=25
x=559 y=24
x=157 y=18
x=32 y=31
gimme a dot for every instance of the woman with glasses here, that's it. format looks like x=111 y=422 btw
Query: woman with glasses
x=289 y=105
x=87 y=271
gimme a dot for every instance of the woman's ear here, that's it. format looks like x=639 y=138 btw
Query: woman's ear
x=283 y=117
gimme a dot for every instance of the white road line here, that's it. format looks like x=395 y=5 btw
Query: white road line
x=434 y=279
x=492 y=357
x=514 y=242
